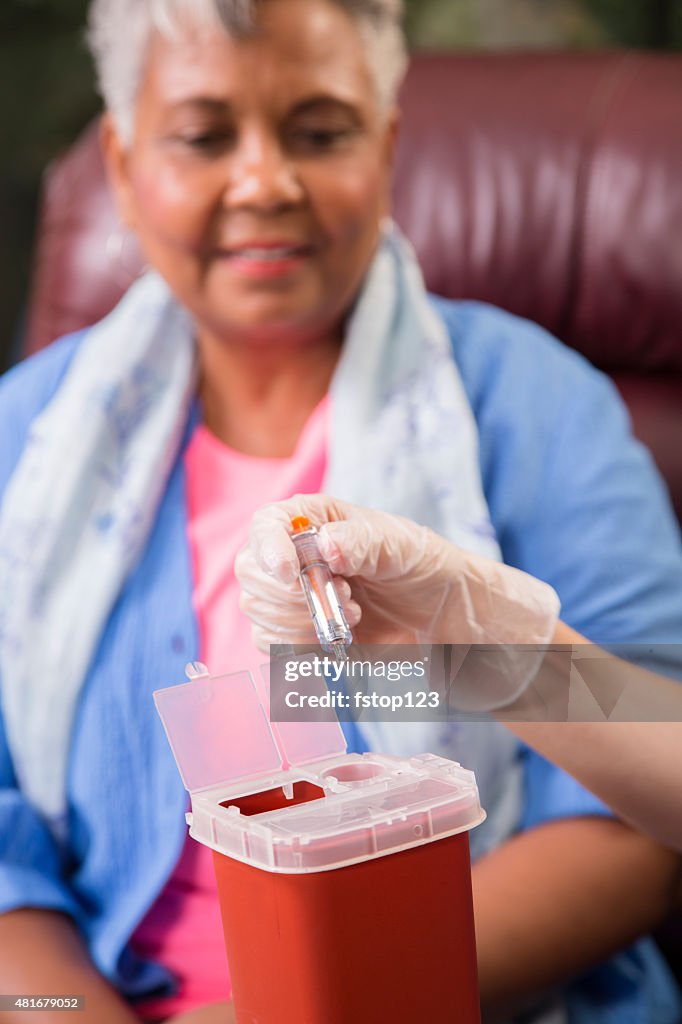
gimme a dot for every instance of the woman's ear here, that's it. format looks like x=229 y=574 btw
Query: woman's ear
x=390 y=142
x=116 y=161
x=392 y=133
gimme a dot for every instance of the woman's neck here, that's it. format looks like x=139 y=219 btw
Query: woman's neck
x=257 y=401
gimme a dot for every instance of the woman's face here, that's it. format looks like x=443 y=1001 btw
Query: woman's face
x=259 y=171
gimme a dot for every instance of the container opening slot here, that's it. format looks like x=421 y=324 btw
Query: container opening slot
x=275 y=799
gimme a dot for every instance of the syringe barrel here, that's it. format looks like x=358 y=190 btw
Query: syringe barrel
x=318 y=586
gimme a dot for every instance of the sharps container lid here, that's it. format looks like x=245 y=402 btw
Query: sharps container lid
x=369 y=805
x=219 y=732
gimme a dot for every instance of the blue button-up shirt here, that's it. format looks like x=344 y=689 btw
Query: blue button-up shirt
x=574 y=500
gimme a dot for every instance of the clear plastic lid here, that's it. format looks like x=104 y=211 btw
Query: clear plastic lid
x=219 y=732
x=351 y=808
x=334 y=813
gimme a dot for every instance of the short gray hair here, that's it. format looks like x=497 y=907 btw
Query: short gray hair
x=119 y=31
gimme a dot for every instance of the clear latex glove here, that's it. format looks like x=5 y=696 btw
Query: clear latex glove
x=399 y=583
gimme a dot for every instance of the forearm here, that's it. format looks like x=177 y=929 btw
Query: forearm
x=633 y=762
x=557 y=899
x=634 y=767
x=43 y=954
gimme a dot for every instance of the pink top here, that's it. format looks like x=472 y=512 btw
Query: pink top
x=182 y=930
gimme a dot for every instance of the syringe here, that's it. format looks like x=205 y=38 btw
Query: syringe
x=325 y=608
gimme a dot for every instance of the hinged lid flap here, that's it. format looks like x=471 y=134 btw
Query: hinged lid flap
x=219 y=732
x=304 y=742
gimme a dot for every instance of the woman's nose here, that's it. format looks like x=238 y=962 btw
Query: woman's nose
x=262 y=176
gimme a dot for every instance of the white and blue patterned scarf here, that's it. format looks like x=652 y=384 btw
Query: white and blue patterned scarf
x=82 y=502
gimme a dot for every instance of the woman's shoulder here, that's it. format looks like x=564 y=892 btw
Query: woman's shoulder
x=501 y=354
x=574 y=497
x=525 y=387
x=25 y=390
x=40 y=372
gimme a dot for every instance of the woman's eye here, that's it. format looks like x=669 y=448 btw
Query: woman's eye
x=321 y=138
x=205 y=142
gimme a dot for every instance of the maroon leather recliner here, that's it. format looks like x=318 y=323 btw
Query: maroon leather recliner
x=548 y=184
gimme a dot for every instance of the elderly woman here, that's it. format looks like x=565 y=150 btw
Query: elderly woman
x=282 y=341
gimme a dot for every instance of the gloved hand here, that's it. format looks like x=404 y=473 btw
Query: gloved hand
x=401 y=583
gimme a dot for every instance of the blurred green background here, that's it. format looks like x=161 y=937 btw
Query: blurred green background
x=48 y=96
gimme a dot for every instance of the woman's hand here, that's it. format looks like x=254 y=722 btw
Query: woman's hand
x=43 y=951
x=399 y=583
x=215 y=1013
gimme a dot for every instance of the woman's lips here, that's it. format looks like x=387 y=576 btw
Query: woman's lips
x=265 y=260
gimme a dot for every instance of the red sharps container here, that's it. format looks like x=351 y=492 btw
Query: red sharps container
x=344 y=880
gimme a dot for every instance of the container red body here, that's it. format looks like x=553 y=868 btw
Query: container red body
x=386 y=941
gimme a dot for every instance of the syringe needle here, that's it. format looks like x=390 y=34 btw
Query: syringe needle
x=339 y=651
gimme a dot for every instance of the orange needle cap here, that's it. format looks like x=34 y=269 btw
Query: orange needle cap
x=300 y=523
